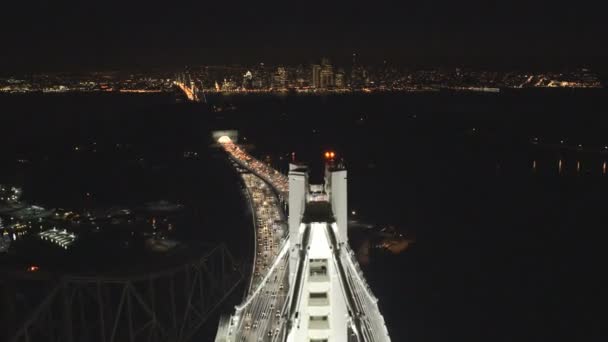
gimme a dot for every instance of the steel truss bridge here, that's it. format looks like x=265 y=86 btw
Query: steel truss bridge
x=165 y=306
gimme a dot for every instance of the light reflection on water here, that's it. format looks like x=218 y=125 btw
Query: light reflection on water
x=567 y=167
x=372 y=241
x=378 y=242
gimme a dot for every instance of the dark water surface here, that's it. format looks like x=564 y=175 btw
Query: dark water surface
x=502 y=251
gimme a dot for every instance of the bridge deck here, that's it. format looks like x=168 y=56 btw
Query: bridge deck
x=260 y=316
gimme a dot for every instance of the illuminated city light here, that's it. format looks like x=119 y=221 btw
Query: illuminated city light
x=317 y=79
x=62 y=238
x=224 y=139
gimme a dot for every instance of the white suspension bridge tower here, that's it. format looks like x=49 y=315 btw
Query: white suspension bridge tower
x=308 y=286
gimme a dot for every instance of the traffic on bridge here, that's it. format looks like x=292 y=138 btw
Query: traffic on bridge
x=259 y=317
x=278 y=180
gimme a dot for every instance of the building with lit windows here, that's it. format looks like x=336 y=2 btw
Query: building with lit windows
x=279 y=80
x=316 y=75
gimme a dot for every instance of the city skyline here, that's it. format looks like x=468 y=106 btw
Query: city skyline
x=321 y=76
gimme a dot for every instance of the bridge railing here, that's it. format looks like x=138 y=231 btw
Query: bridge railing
x=372 y=324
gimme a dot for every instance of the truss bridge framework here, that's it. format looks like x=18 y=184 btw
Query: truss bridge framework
x=164 y=306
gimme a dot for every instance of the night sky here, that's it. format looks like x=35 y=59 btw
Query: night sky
x=512 y=34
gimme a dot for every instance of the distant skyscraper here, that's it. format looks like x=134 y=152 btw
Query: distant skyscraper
x=302 y=77
x=247 y=80
x=323 y=75
x=260 y=77
x=327 y=74
x=340 y=79
x=316 y=75
x=358 y=75
x=279 y=80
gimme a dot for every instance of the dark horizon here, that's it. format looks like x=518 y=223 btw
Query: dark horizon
x=474 y=34
x=135 y=64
